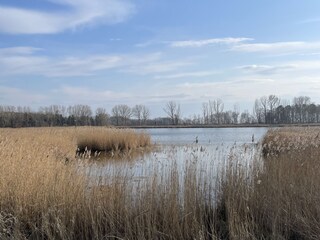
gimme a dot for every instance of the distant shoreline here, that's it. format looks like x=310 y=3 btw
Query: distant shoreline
x=190 y=126
x=224 y=126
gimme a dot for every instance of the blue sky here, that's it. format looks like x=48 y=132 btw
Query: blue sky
x=108 y=52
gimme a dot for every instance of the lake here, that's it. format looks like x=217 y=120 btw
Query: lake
x=205 y=136
x=177 y=148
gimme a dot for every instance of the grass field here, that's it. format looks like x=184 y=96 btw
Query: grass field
x=45 y=194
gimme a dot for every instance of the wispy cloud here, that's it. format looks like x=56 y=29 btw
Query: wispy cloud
x=17 y=96
x=74 y=94
x=157 y=67
x=77 y=13
x=82 y=94
x=247 y=89
x=186 y=75
x=149 y=43
x=305 y=66
x=27 y=61
x=18 y=50
x=267 y=69
x=75 y=66
x=277 y=47
x=206 y=42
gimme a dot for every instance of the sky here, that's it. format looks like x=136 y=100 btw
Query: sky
x=108 y=52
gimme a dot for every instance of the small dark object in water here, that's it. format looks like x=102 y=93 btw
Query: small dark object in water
x=252 y=137
x=196 y=139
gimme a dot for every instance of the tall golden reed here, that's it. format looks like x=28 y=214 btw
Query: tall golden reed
x=279 y=199
x=102 y=139
x=43 y=196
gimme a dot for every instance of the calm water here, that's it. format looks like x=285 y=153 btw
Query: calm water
x=177 y=148
x=205 y=136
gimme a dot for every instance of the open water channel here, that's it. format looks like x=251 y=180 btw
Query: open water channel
x=207 y=149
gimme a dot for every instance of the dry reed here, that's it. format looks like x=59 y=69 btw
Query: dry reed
x=111 y=140
x=279 y=200
x=43 y=196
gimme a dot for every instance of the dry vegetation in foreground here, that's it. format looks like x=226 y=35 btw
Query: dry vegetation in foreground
x=42 y=197
x=279 y=200
x=110 y=140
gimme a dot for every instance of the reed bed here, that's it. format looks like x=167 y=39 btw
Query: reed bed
x=43 y=196
x=279 y=199
x=291 y=140
x=110 y=140
x=45 y=193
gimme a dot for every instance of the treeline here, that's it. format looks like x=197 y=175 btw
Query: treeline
x=270 y=110
x=76 y=115
x=266 y=110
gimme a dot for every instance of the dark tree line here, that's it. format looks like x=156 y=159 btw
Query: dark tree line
x=267 y=110
x=76 y=115
x=53 y=115
x=270 y=110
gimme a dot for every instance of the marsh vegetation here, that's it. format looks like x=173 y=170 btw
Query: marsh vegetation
x=110 y=141
x=43 y=196
x=279 y=198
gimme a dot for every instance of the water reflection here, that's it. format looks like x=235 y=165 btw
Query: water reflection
x=215 y=148
x=205 y=136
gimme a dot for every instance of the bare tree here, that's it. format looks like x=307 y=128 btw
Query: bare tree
x=226 y=117
x=205 y=113
x=141 y=112
x=81 y=113
x=245 y=117
x=264 y=106
x=216 y=109
x=258 y=111
x=116 y=114
x=300 y=104
x=125 y=112
x=137 y=112
x=145 y=114
x=211 y=112
x=121 y=112
x=235 y=114
x=273 y=102
x=172 y=109
x=56 y=113
x=219 y=107
x=102 y=117
x=311 y=110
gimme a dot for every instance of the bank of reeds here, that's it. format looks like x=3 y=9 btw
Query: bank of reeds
x=44 y=197
x=279 y=199
x=291 y=140
x=111 y=140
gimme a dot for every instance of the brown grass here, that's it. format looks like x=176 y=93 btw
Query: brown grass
x=42 y=196
x=291 y=140
x=111 y=140
x=279 y=200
